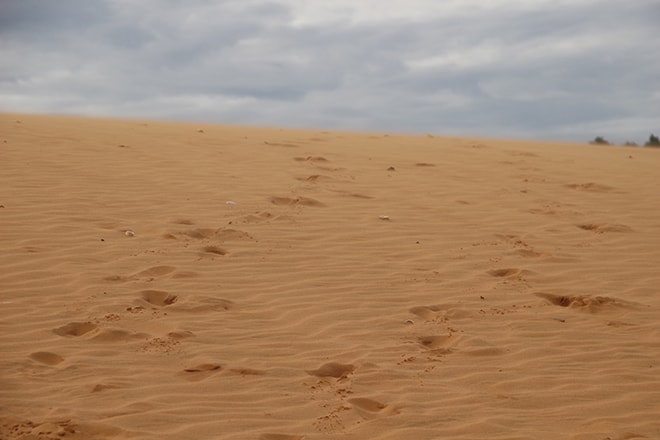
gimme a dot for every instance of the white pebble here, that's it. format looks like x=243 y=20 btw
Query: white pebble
x=384 y=217
x=129 y=233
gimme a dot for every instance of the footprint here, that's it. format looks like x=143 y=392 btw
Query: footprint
x=530 y=253
x=280 y=437
x=207 y=233
x=46 y=357
x=208 y=304
x=258 y=218
x=102 y=387
x=159 y=298
x=586 y=303
x=311 y=159
x=358 y=196
x=200 y=233
x=604 y=227
x=332 y=369
x=117 y=335
x=75 y=329
x=428 y=313
x=354 y=195
x=155 y=271
x=506 y=273
x=285 y=145
x=180 y=334
x=370 y=409
x=442 y=312
x=302 y=201
x=232 y=234
x=315 y=178
x=439 y=344
x=115 y=278
x=214 y=250
x=200 y=372
x=183 y=221
x=47 y=430
x=522 y=153
x=203 y=368
x=480 y=347
x=185 y=274
x=590 y=186
x=247 y=372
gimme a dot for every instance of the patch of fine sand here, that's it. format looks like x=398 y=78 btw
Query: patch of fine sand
x=171 y=281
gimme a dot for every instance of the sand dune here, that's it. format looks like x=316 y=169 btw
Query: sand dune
x=188 y=281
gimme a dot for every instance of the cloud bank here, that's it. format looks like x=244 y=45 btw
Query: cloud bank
x=510 y=68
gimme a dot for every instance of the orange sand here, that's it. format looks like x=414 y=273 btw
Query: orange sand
x=512 y=291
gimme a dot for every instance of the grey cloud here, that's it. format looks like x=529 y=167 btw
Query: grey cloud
x=552 y=71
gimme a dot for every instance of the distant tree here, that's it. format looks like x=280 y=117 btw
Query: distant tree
x=599 y=140
x=630 y=144
x=653 y=141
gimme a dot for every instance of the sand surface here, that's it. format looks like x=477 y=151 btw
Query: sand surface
x=190 y=281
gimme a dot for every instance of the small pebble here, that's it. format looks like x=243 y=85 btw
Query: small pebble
x=409 y=321
x=129 y=233
x=230 y=202
x=384 y=217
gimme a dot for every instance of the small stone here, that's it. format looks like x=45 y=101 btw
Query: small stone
x=129 y=233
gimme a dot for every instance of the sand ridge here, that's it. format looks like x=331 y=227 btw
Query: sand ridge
x=165 y=280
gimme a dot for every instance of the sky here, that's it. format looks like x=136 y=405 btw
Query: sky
x=537 y=69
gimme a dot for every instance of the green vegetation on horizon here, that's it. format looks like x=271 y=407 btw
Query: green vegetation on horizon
x=653 y=141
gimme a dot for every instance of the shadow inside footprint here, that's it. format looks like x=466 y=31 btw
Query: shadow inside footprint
x=214 y=250
x=200 y=233
x=439 y=345
x=586 y=303
x=370 y=409
x=332 y=369
x=440 y=312
x=602 y=228
x=75 y=329
x=590 y=186
x=508 y=272
x=155 y=271
x=46 y=357
x=200 y=372
x=288 y=201
x=180 y=334
x=118 y=335
x=159 y=298
x=207 y=304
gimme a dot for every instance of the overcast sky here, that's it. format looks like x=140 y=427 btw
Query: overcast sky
x=560 y=69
